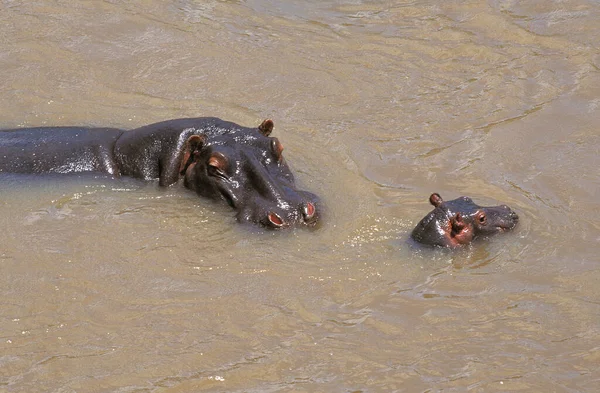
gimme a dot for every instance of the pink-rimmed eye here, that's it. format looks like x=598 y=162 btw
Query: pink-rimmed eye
x=481 y=218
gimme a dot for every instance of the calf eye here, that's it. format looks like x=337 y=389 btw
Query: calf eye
x=482 y=219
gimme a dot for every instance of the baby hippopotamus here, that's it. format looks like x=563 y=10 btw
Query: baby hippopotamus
x=458 y=222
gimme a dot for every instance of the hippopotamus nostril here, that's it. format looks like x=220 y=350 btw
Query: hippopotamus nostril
x=308 y=211
x=275 y=220
x=514 y=216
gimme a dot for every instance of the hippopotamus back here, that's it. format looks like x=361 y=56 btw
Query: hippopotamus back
x=58 y=150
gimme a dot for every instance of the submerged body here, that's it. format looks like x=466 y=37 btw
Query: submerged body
x=217 y=159
x=458 y=222
x=58 y=150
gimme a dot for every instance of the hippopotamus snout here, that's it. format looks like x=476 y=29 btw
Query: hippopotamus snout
x=300 y=209
x=500 y=218
x=511 y=214
x=273 y=200
x=306 y=214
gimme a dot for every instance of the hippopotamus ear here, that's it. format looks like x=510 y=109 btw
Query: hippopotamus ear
x=435 y=199
x=191 y=151
x=277 y=148
x=266 y=127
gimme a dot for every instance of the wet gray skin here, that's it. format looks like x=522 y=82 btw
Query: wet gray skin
x=458 y=222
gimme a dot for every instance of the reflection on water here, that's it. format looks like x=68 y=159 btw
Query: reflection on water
x=117 y=285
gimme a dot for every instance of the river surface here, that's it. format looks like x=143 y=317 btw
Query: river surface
x=115 y=285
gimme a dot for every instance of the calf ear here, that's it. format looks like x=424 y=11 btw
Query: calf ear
x=435 y=199
x=266 y=127
x=191 y=151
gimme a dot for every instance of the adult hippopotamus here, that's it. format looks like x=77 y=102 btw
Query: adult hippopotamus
x=217 y=159
x=458 y=222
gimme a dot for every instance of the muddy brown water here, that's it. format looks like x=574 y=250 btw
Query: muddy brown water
x=118 y=286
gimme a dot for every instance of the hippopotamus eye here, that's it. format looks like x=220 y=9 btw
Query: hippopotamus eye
x=277 y=148
x=217 y=164
x=481 y=218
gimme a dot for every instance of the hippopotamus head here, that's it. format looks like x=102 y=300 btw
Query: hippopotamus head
x=245 y=167
x=457 y=222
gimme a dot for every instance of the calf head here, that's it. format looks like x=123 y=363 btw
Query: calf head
x=458 y=222
x=245 y=167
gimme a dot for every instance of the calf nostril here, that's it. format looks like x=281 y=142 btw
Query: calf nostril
x=275 y=220
x=308 y=210
x=514 y=215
